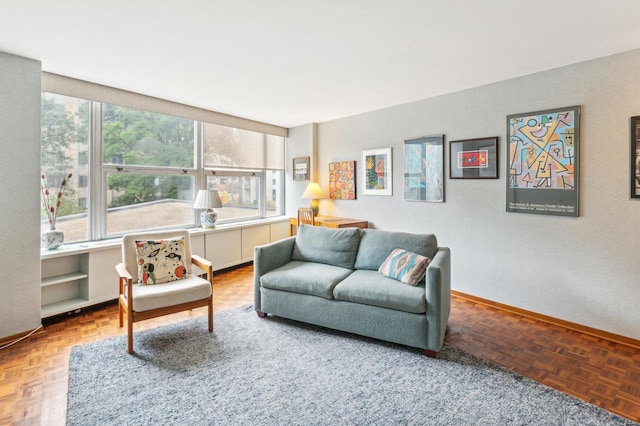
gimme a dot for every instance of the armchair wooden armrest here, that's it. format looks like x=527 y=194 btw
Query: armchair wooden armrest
x=123 y=272
x=203 y=264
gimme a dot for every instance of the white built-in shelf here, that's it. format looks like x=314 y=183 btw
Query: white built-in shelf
x=62 y=307
x=59 y=279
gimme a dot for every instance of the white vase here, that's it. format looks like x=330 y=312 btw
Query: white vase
x=52 y=239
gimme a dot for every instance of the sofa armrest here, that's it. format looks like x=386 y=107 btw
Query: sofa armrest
x=438 y=295
x=267 y=258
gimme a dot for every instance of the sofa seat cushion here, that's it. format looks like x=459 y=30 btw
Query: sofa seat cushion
x=316 y=279
x=371 y=288
x=190 y=289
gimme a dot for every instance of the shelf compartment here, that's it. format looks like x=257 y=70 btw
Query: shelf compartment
x=62 y=306
x=59 y=279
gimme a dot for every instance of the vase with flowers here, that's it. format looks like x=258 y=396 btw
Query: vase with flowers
x=53 y=238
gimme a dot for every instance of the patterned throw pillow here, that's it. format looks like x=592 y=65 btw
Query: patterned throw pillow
x=161 y=261
x=405 y=266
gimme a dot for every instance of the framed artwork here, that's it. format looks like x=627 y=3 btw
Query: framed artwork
x=542 y=162
x=474 y=159
x=301 y=168
x=342 y=180
x=377 y=172
x=635 y=157
x=424 y=169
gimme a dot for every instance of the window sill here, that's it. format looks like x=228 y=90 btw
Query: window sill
x=91 y=246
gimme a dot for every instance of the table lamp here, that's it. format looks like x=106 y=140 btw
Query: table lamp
x=208 y=199
x=313 y=193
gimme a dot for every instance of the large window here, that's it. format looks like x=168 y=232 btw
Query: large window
x=137 y=170
x=65 y=128
x=149 y=162
x=246 y=168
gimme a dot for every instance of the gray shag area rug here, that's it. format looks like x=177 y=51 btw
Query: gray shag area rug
x=274 y=371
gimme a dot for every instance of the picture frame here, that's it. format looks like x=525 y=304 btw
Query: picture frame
x=424 y=169
x=377 y=172
x=474 y=158
x=342 y=180
x=634 y=157
x=301 y=168
x=542 y=165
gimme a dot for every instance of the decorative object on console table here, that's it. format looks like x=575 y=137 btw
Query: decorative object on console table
x=424 y=169
x=51 y=203
x=313 y=193
x=301 y=168
x=377 y=172
x=208 y=199
x=330 y=222
x=635 y=157
x=474 y=159
x=342 y=180
x=543 y=162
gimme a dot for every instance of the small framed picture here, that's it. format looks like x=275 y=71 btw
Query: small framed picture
x=474 y=158
x=635 y=157
x=377 y=173
x=301 y=168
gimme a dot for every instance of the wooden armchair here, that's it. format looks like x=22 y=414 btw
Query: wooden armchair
x=141 y=301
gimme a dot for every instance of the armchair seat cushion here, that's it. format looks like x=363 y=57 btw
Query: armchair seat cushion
x=371 y=288
x=148 y=297
x=315 y=279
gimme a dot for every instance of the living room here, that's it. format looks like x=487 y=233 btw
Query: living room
x=579 y=271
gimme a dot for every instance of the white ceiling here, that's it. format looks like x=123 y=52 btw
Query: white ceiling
x=292 y=62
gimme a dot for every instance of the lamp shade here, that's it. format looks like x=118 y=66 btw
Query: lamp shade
x=207 y=199
x=313 y=192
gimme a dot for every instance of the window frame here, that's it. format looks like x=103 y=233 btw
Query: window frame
x=98 y=172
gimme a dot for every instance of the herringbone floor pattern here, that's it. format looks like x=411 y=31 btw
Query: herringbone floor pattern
x=33 y=373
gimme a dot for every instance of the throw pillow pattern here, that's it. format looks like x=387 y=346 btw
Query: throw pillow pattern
x=161 y=261
x=405 y=266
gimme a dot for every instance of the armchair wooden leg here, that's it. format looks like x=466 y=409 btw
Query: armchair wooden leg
x=430 y=353
x=129 y=335
x=211 y=315
x=262 y=314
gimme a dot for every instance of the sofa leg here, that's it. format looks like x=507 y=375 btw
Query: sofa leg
x=262 y=314
x=430 y=353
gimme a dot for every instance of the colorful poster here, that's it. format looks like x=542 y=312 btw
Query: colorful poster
x=342 y=180
x=542 y=165
x=473 y=159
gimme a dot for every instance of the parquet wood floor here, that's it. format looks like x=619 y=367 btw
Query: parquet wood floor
x=34 y=372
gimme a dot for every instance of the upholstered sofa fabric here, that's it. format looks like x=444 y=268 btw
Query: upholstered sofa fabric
x=330 y=278
x=371 y=288
x=376 y=245
x=337 y=247
x=316 y=279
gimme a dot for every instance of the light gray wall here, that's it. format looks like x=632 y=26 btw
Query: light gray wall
x=301 y=142
x=583 y=270
x=20 y=212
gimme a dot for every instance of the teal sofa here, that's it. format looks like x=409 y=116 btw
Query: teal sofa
x=329 y=277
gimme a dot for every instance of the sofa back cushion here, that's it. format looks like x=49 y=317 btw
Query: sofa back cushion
x=376 y=245
x=325 y=245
